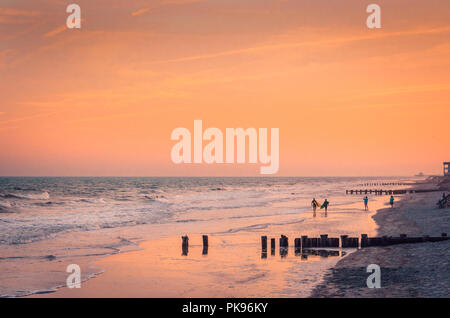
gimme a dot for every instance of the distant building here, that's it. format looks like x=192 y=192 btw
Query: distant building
x=446 y=169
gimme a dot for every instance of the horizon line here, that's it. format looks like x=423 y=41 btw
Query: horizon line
x=236 y=176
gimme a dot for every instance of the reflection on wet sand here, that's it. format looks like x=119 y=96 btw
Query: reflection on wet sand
x=284 y=248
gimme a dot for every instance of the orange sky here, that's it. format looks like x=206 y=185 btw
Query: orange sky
x=103 y=100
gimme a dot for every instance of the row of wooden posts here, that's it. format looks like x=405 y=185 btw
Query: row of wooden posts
x=385 y=184
x=391 y=192
x=348 y=242
x=367 y=191
x=185 y=245
x=305 y=242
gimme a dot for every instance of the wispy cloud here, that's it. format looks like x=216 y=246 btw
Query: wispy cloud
x=19 y=119
x=18 y=13
x=398 y=90
x=101 y=118
x=15 y=16
x=55 y=31
x=287 y=45
x=139 y=12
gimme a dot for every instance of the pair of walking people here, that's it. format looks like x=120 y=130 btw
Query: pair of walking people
x=316 y=204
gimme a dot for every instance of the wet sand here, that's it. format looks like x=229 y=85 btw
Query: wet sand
x=234 y=265
x=410 y=270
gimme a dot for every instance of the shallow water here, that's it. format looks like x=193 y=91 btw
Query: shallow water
x=80 y=219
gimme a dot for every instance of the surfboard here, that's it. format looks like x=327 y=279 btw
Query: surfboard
x=317 y=203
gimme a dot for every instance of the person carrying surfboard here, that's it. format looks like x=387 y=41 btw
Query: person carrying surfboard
x=366 y=201
x=314 y=205
x=325 y=205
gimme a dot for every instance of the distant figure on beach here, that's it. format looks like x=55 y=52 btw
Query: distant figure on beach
x=314 y=205
x=325 y=205
x=391 y=201
x=444 y=202
x=366 y=202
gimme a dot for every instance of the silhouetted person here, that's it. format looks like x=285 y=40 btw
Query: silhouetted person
x=314 y=205
x=391 y=201
x=325 y=205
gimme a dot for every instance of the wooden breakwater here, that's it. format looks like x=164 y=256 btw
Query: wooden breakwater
x=388 y=192
x=345 y=241
x=372 y=184
x=305 y=244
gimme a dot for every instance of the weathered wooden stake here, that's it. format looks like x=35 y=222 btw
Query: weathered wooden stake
x=264 y=243
x=297 y=243
x=344 y=240
x=364 y=240
x=284 y=245
x=285 y=241
x=272 y=244
x=324 y=240
x=185 y=245
x=304 y=241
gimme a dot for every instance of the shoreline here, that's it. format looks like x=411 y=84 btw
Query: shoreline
x=234 y=266
x=407 y=270
x=235 y=247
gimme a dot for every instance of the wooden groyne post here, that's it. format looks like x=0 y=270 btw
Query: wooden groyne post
x=284 y=241
x=364 y=240
x=304 y=239
x=185 y=245
x=272 y=246
x=324 y=240
x=205 y=244
x=344 y=241
x=284 y=245
x=264 y=243
x=297 y=244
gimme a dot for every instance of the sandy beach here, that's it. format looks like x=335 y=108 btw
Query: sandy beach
x=409 y=270
x=146 y=260
x=233 y=266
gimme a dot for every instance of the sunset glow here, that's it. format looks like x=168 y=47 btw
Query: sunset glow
x=104 y=99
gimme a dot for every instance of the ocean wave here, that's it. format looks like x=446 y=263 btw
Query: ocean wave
x=85 y=204
x=6 y=207
x=91 y=200
x=156 y=198
x=5 y=204
x=49 y=203
x=28 y=196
